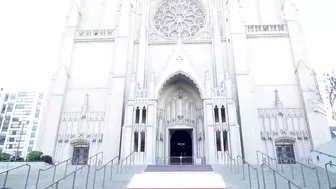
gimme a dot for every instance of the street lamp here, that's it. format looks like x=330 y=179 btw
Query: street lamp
x=18 y=146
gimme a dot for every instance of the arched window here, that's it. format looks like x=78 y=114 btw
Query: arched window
x=223 y=114
x=216 y=114
x=137 y=115
x=143 y=115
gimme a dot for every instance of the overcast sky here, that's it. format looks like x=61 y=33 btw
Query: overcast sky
x=30 y=38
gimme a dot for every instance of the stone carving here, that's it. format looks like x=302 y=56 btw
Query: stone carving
x=85 y=107
x=179 y=18
x=95 y=33
x=278 y=103
x=281 y=28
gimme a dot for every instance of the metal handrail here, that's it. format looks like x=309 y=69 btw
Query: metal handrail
x=158 y=159
x=326 y=168
x=94 y=156
x=125 y=159
x=274 y=176
x=232 y=159
x=324 y=153
x=54 y=173
x=249 y=173
x=7 y=171
x=268 y=158
x=74 y=178
x=104 y=166
x=55 y=166
x=302 y=172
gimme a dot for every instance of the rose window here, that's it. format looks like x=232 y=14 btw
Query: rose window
x=179 y=18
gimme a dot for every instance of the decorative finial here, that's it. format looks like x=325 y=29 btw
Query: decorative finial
x=85 y=107
x=278 y=103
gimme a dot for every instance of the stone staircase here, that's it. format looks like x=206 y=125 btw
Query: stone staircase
x=232 y=177
x=236 y=180
x=16 y=178
x=310 y=177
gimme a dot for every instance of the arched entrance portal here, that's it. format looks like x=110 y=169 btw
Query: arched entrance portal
x=181 y=146
x=180 y=129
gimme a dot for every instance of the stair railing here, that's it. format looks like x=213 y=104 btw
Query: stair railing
x=268 y=159
x=104 y=166
x=275 y=172
x=96 y=158
x=326 y=168
x=55 y=167
x=125 y=160
x=291 y=160
x=231 y=160
x=248 y=170
x=7 y=171
x=56 y=183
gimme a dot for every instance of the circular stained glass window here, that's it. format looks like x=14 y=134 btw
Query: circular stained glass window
x=179 y=18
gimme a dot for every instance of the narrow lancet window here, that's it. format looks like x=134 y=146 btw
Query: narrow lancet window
x=137 y=115
x=136 y=140
x=216 y=114
x=223 y=114
x=143 y=115
x=142 y=145
x=225 y=141
x=218 y=141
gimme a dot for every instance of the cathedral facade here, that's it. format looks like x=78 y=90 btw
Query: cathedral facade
x=196 y=80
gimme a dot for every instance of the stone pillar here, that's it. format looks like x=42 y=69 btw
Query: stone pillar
x=53 y=107
x=117 y=85
x=216 y=44
x=142 y=46
x=210 y=134
x=244 y=99
x=317 y=123
x=151 y=133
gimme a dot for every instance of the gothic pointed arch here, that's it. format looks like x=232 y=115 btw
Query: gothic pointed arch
x=175 y=75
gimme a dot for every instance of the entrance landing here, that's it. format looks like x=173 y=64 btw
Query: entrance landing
x=178 y=168
x=177 y=177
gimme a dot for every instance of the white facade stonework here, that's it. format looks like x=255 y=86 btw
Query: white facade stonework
x=234 y=75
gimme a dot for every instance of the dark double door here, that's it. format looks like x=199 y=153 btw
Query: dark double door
x=181 y=147
x=81 y=155
x=285 y=153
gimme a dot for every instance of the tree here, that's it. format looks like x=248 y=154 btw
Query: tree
x=4 y=156
x=330 y=90
x=34 y=156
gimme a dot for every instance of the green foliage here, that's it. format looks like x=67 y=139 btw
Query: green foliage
x=34 y=156
x=4 y=156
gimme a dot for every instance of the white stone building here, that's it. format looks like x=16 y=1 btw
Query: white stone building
x=19 y=120
x=190 y=78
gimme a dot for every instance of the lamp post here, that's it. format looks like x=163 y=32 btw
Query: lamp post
x=18 y=146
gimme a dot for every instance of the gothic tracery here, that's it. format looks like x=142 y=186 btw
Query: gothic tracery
x=179 y=18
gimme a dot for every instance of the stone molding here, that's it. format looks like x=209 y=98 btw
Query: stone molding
x=252 y=31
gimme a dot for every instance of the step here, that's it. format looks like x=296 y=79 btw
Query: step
x=176 y=176
x=17 y=178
